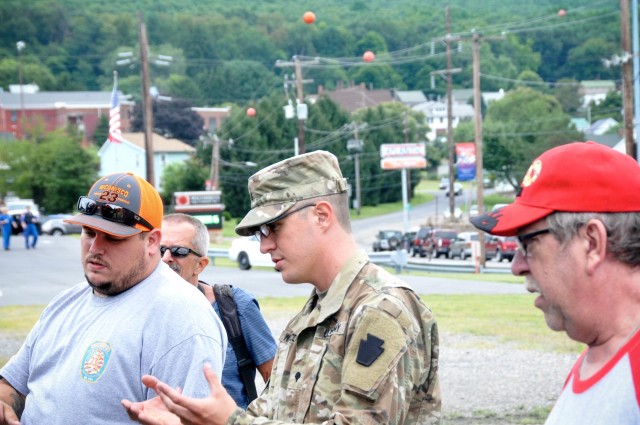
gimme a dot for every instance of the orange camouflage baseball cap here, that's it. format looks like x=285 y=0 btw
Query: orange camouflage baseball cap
x=120 y=204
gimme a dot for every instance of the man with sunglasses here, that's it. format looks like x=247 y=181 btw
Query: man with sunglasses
x=363 y=349
x=184 y=245
x=576 y=217
x=132 y=316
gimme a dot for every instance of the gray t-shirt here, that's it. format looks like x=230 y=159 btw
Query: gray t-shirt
x=87 y=353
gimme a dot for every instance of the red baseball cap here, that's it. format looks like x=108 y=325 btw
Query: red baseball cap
x=576 y=177
x=141 y=201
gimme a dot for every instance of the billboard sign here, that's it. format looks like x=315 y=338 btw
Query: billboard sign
x=395 y=156
x=466 y=161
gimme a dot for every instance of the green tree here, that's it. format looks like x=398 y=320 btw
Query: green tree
x=520 y=127
x=566 y=91
x=610 y=107
x=51 y=168
x=101 y=132
x=185 y=176
x=174 y=119
x=378 y=77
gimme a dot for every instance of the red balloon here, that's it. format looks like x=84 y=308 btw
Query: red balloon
x=251 y=112
x=309 y=17
x=562 y=12
x=368 y=56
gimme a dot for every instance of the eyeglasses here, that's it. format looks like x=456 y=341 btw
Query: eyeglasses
x=111 y=212
x=267 y=228
x=523 y=240
x=178 y=251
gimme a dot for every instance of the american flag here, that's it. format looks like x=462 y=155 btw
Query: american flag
x=114 y=114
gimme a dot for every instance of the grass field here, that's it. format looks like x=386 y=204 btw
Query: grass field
x=504 y=318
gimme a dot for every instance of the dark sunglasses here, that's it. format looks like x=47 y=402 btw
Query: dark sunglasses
x=111 y=212
x=178 y=251
x=264 y=230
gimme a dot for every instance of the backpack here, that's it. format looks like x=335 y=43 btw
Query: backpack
x=229 y=317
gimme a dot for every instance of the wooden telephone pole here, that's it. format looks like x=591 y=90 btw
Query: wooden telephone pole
x=146 y=99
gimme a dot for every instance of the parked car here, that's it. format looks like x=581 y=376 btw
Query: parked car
x=457 y=189
x=435 y=243
x=54 y=225
x=387 y=240
x=506 y=248
x=473 y=211
x=444 y=183
x=462 y=246
x=457 y=214
x=246 y=251
x=420 y=239
x=407 y=240
x=496 y=207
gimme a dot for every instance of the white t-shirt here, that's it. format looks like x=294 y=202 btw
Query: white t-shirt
x=609 y=397
x=87 y=353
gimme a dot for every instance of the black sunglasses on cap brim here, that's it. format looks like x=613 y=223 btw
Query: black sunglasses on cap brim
x=111 y=212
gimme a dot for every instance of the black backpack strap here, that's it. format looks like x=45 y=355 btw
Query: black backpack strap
x=229 y=317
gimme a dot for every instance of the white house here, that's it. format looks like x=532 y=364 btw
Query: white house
x=595 y=91
x=602 y=126
x=130 y=155
x=436 y=116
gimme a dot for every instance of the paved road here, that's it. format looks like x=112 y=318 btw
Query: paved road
x=364 y=230
x=36 y=276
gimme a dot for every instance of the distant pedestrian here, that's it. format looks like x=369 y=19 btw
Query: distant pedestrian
x=28 y=221
x=7 y=227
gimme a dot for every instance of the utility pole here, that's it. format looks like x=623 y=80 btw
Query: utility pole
x=636 y=72
x=354 y=146
x=477 y=106
x=627 y=77
x=477 y=112
x=215 y=163
x=301 y=107
x=450 y=143
x=146 y=100
x=300 y=96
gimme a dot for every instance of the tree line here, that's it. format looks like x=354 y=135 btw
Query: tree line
x=225 y=56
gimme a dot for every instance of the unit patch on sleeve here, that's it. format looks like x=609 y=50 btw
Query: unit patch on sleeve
x=369 y=350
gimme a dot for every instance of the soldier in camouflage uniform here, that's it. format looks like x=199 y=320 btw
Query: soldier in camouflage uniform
x=364 y=349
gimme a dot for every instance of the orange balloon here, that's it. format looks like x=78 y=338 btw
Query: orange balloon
x=251 y=112
x=309 y=17
x=368 y=56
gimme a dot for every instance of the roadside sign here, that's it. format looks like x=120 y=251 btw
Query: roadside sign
x=395 y=156
x=205 y=205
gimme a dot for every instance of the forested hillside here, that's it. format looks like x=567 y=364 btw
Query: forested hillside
x=226 y=51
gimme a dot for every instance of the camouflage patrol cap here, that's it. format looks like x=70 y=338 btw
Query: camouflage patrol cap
x=278 y=187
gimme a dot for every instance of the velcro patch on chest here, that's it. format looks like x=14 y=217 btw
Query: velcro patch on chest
x=375 y=347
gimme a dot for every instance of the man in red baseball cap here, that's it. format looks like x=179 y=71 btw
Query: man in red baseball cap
x=576 y=217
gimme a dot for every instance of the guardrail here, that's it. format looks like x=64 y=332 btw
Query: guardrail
x=390 y=259
x=214 y=253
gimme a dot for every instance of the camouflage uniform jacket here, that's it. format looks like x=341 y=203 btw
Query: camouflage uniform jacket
x=364 y=352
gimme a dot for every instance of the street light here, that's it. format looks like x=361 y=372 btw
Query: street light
x=20 y=45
